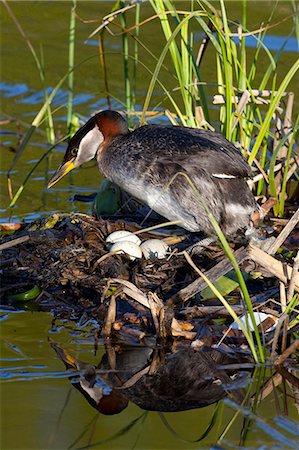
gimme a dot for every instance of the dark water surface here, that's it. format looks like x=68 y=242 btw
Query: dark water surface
x=40 y=408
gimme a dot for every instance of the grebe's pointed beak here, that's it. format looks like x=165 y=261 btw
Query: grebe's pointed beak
x=62 y=170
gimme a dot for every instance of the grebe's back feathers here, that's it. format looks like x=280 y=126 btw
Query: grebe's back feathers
x=187 y=146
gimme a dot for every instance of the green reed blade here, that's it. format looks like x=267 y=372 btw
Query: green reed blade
x=71 y=64
x=274 y=103
x=135 y=62
x=160 y=61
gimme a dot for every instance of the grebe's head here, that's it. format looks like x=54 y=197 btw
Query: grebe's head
x=90 y=139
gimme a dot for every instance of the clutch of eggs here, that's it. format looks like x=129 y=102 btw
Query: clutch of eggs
x=123 y=241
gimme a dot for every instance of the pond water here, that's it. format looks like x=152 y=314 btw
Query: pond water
x=41 y=407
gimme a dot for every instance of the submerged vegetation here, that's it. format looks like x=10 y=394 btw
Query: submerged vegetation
x=256 y=111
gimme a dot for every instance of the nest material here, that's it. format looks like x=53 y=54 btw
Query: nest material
x=68 y=262
x=79 y=281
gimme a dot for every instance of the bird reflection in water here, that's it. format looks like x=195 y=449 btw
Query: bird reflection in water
x=154 y=379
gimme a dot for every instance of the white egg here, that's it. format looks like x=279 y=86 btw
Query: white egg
x=123 y=235
x=154 y=248
x=129 y=248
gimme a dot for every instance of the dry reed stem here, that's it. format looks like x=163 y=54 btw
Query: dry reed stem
x=291 y=349
x=136 y=377
x=280 y=270
x=293 y=278
x=283 y=297
x=284 y=233
x=160 y=225
x=285 y=334
x=133 y=332
x=213 y=311
x=111 y=16
x=269 y=385
x=14 y=242
x=277 y=167
x=111 y=354
x=137 y=296
x=287 y=124
x=241 y=106
x=172 y=117
x=279 y=324
x=110 y=317
x=199 y=284
x=155 y=312
x=283 y=130
x=106 y=256
x=155 y=363
x=287 y=376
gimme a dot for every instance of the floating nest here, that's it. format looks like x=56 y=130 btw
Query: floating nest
x=67 y=259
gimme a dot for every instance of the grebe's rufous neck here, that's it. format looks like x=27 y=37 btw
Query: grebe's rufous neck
x=145 y=163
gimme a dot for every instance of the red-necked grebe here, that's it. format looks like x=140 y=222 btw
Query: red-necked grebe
x=145 y=163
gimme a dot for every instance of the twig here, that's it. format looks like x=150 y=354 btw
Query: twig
x=287 y=125
x=282 y=271
x=136 y=377
x=284 y=233
x=103 y=257
x=134 y=332
x=137 y=296
x=202 y=49
x=213 y=311
x=291 y=349
x=160 y=225
x=198 y=285
x=14 y=242
x=274 y=381
x=283 y=298
x=285 y=334
x=109 y=18
x=277 y=167
x=241 y=106
x=287 y=375
x=293 y=278
x=110 y=318
x=155 y=308
x=279 y=324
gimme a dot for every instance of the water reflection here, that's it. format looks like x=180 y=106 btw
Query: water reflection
x=41 y=400
x=155 y=379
